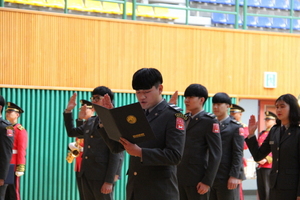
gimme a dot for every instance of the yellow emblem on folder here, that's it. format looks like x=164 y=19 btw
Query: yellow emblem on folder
x=131 y=119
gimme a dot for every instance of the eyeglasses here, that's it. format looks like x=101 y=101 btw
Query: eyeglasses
x=96 y=98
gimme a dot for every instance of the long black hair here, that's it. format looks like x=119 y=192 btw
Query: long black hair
x=294 y=113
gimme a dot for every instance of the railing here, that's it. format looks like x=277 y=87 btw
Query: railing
x=187 y=9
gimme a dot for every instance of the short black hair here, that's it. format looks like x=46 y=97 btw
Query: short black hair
x=146 y=78
x=294 y=113
x=2 y=103
x=221 y=97
x=102 y=90
x=196 y=90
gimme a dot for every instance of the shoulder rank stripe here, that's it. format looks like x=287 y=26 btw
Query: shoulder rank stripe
x=175 y=107
x=211 y=115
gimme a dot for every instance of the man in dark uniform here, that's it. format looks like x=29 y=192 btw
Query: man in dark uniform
x=6 y=145
x=264 y=168
x=13 y=112
x=230 y=172
x=203 y=147
x=85 y=113
x=236 y=113
x=99 y=166
x=152 y=164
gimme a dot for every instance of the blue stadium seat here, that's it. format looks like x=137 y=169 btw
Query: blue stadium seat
x=297 y=5
x=267 y=3
x=296 y=25
x=282 y=4
x=280 y=23
x=218 y=18
x=231 y=19
x=227 y=2
x=264 y=22
x=253 y=3
x=207 y=1
x=252 y=21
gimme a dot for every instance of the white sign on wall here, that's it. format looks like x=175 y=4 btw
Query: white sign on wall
x=270 y=79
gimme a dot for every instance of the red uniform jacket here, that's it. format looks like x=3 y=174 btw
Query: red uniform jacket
x=261 y=137
x=79 y=158
x=20 y=145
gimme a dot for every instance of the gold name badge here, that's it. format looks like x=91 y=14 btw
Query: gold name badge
x=139 y=135
x=131 y=119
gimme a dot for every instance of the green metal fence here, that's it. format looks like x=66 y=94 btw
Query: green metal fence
x=48 y=176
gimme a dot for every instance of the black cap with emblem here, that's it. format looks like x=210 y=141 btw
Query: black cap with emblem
x=88 y=103
x=14 y=107
x=270 y=115
x=236 y=108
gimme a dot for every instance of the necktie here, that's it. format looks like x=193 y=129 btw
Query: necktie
x=282 y=131
x=147 y=112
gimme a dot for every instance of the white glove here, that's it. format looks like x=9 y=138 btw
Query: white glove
x=73 y=146
x=19 y=174
x=81 y=149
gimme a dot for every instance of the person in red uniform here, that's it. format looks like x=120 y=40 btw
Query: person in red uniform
x=236 y=113
x=13 y=113
x=264 y=168
x=85 y=113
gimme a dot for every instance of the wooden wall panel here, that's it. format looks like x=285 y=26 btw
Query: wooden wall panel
x=48 y=50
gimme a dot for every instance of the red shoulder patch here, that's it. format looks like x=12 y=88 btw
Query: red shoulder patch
x=9 y=132
x=179 y=123
x=216 y=128
x=241 y=131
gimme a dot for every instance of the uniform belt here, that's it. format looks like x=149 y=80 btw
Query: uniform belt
x=15 y=151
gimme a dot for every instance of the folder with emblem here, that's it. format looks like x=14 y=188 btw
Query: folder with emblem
x=10 y=175
x=127 y=121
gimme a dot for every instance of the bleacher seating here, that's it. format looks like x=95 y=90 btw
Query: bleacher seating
x=252 y=21
x=296 y=24
x=267 y=4
x=280 y=23
x=297 y=5
x=282 y=4
x=264 y=22
x=218 y=18
x=231 y=19
x=253 y=3
x=94 y=6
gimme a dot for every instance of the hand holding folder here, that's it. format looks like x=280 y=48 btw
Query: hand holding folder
x=127 y=121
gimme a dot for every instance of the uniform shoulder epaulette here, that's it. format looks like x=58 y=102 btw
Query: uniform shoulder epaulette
x=236 y=122
x=175 y=107
x=211 y=115
x=185 y=117
x=20 y=127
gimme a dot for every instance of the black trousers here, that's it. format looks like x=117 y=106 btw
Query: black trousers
x=263 y=183
x=219 y=191
x=92 y=190
x=79 y=185
x=2 y=191
x=191 y=193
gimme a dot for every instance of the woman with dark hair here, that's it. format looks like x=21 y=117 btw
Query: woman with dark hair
x=284 y=143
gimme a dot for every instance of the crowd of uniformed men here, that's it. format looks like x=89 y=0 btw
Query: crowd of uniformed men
x=194 y=156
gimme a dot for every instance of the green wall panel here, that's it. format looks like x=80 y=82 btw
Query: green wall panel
x=48 y=176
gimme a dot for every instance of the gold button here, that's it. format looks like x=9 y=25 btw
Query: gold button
x=92 y=136
x=135 y=173
x=89 y=146
x=277 y=159
x=277 y=148
x=86 y=157
x=276 y=171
